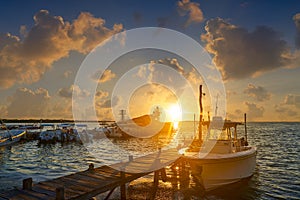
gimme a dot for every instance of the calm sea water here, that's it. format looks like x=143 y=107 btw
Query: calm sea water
x=277 y=174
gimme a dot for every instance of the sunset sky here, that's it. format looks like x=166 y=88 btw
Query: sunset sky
x=254 y=44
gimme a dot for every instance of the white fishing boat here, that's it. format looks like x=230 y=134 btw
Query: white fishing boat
x=222 y=157
x=8 y=137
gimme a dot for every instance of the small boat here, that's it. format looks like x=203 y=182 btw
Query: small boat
x=8 y=137
x=32 y=131
x=48 y=134
x=222 y=157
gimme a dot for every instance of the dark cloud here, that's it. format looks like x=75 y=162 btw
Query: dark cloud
x=239 y=53
x=26 y=103
x=254 y=111
x=50 y=39
x=257 y=92
x=296 y=19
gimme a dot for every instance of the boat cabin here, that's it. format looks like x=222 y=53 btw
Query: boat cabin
x=221 y=136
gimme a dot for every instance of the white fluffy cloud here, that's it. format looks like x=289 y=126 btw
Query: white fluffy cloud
x=239 y=53
x=50 y=39
x=257 y=92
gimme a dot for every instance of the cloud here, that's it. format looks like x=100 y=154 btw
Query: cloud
x=254 y=111
x=296 y=19
x=101 y=94
x=239 y=53
x=171 y=62
x=236 y=115
x=68 y=92
x=292 y=99
x=68 y=73
x=50 y=39
x=115 y=101
x=259 y=93
x=192 y=9
x=26 y=103
x=60 y=110
x=3 y=111
x=284 y=110
x=106 y=76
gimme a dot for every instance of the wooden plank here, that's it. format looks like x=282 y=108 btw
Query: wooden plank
x=92 y=180
x=33 y=194
x=69 y=191
x=23 y=197
x=42 y=190
x=84 y=183
x=9 y=194
x=99 y=176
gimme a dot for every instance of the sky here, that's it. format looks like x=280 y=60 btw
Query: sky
x=254 y=45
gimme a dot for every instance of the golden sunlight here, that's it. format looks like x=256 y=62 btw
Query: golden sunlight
x=175 y=114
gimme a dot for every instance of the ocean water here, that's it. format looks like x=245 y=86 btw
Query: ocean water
x=277 y=174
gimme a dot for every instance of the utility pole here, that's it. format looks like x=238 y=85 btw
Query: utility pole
x=122 y=113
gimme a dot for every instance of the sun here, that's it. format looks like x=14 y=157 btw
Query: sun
x=175 y=114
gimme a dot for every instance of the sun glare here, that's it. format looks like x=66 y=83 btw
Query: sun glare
x=175 y=115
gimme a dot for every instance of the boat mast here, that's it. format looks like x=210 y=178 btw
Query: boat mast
x=201 y=113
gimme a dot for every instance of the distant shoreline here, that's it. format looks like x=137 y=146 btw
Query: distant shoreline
x=102 y=121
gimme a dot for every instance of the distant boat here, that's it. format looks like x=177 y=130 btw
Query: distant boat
x=9 y=137
x=61 y=133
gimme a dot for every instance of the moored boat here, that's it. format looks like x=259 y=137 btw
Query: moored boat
x=9 y=137
x=222 y=159
x=221 y=156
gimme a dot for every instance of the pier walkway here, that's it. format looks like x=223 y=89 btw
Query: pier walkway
x=93 y=181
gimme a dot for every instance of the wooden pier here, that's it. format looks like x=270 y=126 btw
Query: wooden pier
x=94 y=181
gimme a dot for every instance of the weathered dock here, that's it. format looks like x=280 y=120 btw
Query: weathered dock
x=94 y=181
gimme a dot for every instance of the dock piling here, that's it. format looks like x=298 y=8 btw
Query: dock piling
x=91 y=167
x=123 y=186
x=60 y=193
x=27 y=184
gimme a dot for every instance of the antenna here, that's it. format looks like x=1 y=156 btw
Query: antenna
x=216 y=111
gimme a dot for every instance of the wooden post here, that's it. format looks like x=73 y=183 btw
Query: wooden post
x=60 y=193
x=201 y=113
x=123 y=186
x=130 y=157
x=91 y=167
x=27 y=184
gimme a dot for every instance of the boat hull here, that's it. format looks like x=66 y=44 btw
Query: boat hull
x=14 y=136
x=216 y=170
